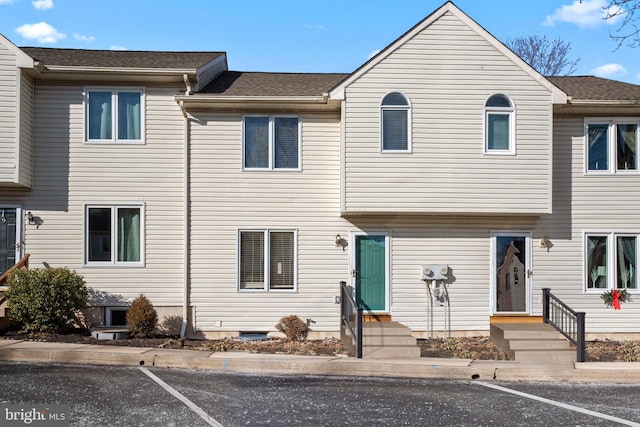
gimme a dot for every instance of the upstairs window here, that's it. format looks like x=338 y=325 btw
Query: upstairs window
x=114 y=115
x=499 y=125
x=612 y=146
x=271 y=142
x=396 y=123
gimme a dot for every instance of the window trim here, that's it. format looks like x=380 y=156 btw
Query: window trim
x=113 y=262
x=408 y=108
x=267 y=259
x=114 y=114
x=612 y=154
x=612 y=253
x=511 y=112
x=271 y=164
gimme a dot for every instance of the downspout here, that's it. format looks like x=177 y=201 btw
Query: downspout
x=185 y=216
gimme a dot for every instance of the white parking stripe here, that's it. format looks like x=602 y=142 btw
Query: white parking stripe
x=560 y=404
x=210 y=420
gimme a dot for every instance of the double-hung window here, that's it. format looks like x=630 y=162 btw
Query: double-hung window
x=611 y=261
x=499 y=119
x=395 y=113
x=267 y=260
x=271 y=142
x=114 y=115
x=611 y=145
x=114 y=235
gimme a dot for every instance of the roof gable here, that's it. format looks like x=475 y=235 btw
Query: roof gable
x=24 y=60
x=338 y=92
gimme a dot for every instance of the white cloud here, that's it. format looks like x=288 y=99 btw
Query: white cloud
x=42 y=32
x=43 y=4
x=609 y=70
x=83 y=38
x=314 y=26
x=374 y=53
x=116 y=47
x=585 y=14
x=6 y=1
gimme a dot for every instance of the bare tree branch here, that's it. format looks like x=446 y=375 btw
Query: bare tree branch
x=548 y=57
x=628 y=31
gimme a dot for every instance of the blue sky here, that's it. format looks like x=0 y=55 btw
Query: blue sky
x=304 y=35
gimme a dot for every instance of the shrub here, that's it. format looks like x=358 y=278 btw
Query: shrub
x=293 y=327
x=45 y=300
x=142 y=318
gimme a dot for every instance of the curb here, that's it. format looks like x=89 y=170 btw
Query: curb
x=284 y=364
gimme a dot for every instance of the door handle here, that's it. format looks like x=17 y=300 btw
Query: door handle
x=529 y=273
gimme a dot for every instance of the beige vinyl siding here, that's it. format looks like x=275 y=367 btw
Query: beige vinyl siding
x=605 y=203
x=26 y=131
x=447 y=72
x=224 y=199
x=8 y=116
x=71 y=173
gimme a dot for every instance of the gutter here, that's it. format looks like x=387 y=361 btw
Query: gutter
x=218 y=99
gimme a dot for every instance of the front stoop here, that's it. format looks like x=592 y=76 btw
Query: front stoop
x=384 y=340
x=532 y=342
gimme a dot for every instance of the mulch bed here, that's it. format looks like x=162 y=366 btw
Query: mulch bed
x=476 y=348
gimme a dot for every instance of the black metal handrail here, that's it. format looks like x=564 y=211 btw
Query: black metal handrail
x=351 y=312
x=567 y=321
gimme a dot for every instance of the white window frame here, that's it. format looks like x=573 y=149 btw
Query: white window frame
x=272 y=161
x=511 y=112
x=267 y=259
x=408 y=108
x=114 y=233
x=612 y=154
x=114 y=115
x=612 y=258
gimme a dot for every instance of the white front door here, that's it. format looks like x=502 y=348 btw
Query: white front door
x=511 y=272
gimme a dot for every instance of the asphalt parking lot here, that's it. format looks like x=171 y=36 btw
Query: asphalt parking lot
x=120 y=396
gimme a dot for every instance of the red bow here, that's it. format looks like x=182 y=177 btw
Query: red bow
x=615 y=296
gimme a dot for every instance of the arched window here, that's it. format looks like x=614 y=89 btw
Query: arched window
x=499 y=116
x=395 y=122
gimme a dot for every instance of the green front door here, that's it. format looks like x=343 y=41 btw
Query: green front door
x=371 y=272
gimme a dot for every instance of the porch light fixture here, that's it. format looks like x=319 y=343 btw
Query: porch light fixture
x=338 y=240
x=30 y=219
x=545 y=243
x=3 y=219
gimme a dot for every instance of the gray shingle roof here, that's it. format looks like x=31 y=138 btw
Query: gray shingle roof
x=238 y=83
x=596 y=88
x=120 y=58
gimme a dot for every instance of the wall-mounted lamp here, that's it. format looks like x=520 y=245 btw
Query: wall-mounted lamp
x=545 y=243
x=30 y=218
x=338 y=240
x=3 y=219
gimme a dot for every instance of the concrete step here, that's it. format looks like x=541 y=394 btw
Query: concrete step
x=531 y=342
x=391 y=352
x=377 y=340
x=384 y=340
x=546 y=355
x=551 y=344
